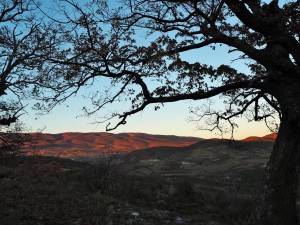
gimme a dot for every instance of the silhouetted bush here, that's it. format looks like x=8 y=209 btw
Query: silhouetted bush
x=102 y=176
x=13 y=138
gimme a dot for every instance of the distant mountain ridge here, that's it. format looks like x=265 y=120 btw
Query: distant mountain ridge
x=269 y=137
x=89 y=144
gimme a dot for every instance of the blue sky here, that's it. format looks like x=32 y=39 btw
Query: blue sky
x=170 y=119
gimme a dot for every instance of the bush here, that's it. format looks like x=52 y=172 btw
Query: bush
x=12 y=140
x=182 y=191
x=102 y=176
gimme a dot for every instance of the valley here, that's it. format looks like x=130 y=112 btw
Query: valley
x=173 y=180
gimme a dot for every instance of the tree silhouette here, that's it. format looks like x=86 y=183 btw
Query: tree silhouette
x=12 y=139
x=105 y=43
x=27 y=42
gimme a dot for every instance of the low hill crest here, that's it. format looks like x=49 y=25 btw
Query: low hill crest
x=72 y=144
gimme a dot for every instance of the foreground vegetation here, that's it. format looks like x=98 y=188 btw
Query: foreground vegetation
x=46 y=190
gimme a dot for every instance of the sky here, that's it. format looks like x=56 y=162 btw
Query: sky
x=169 y=120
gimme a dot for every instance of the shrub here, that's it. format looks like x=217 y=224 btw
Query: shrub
x=13 y=139
x=182 y=191
x=102 y=176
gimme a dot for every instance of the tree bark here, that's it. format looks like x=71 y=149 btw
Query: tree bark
x=277 y=203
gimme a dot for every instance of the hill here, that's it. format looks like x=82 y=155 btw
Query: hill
x=211 y=161
x=76 y=144
x=250 y=144
x=269 y=137
x=208 y=182
x=91 y=144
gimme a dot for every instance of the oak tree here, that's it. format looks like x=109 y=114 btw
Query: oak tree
x=106 y=43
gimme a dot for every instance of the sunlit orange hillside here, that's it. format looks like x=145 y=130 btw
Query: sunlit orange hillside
x=269 y=137
x=90 y=144
x=82 y=144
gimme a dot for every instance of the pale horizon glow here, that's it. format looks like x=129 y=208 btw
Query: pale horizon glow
x=169 y=120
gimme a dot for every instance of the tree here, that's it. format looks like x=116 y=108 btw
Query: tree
x=27 y=42
x=14 y=138
x=104 y=44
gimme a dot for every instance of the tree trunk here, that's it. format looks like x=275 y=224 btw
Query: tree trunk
x=277 y=203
